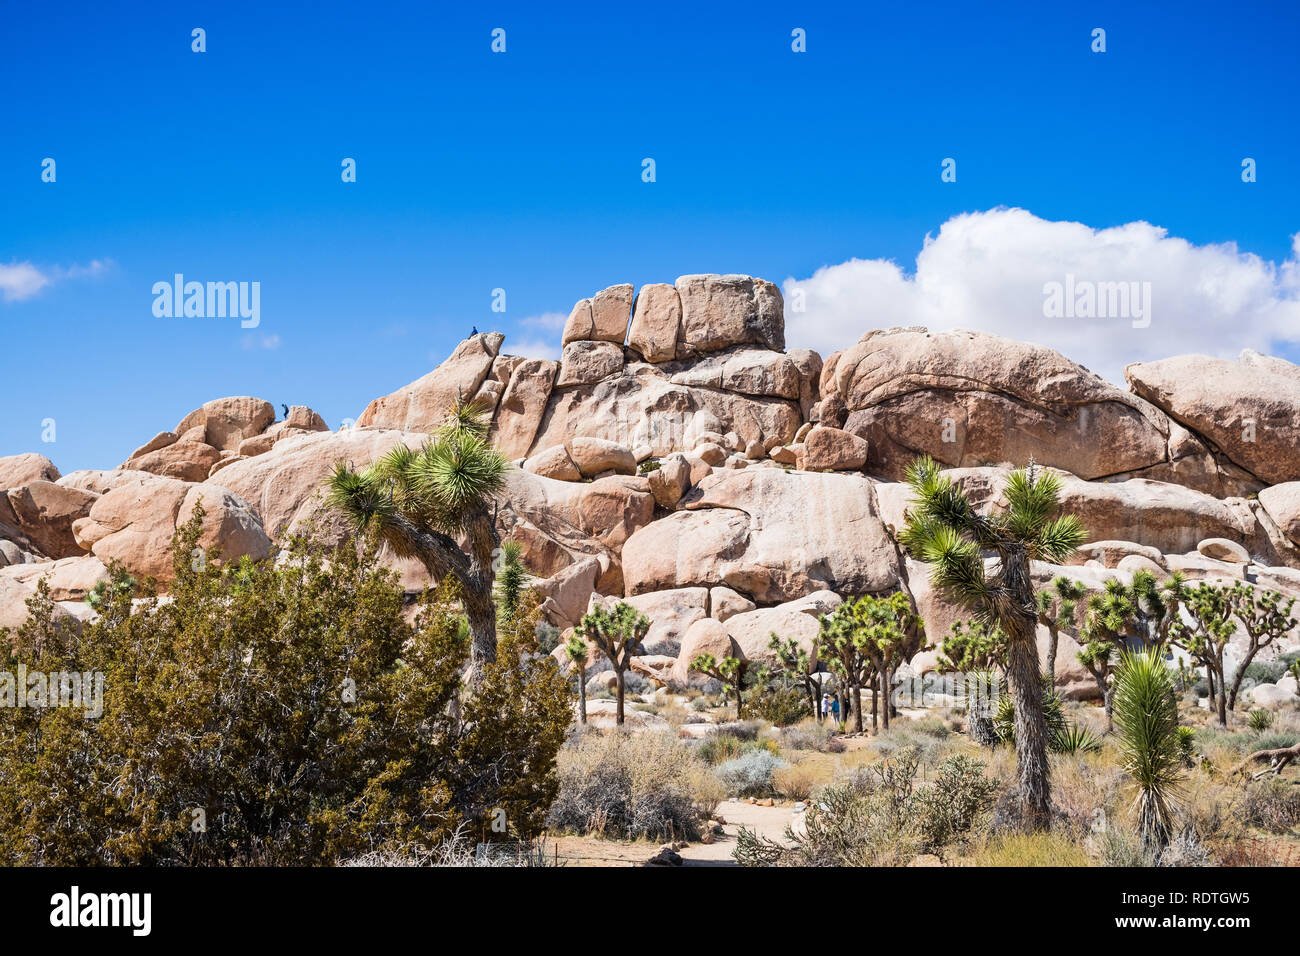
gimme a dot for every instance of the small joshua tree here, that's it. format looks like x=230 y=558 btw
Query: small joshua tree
x=618 y=634
x=1146 y=722
x=1204 y=631
x=800 y=665
x=512 y=579
x=1265 y=616
x=973 y=646
x=576 y=651
x=1057 y=608
x=730 y=672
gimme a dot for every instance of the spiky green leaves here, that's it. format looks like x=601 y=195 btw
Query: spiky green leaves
x=1146 y=723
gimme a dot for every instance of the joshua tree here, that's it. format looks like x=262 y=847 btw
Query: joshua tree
x=419 y=501
x=1146 y=721
x=1057 y=607
x=843 y=645
x=511 y=579
x=576 y=651
x=973 y=646
x=800 y=665
x=1098 y=656
x=617 y=634
x=1265 y=616
x=1205 y=633
x=944 y=530
x=730 y=672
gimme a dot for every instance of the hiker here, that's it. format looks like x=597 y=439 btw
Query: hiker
x=473 y=331
x=824 y=710
x=835 y=709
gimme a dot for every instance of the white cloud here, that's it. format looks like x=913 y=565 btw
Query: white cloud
x=22 y=280
x=988 y=271
x=545 y=343
x=268 y=343
x=533 y=348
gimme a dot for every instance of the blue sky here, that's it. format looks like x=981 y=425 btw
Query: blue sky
x=522 y=170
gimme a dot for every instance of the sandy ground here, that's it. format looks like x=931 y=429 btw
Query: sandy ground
x=592 y=851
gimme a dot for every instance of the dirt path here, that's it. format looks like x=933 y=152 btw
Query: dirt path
x=593 y=851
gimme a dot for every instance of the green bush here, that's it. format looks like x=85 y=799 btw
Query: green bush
x=275 y=713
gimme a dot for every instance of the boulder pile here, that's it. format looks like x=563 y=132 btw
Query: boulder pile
x=679 y=457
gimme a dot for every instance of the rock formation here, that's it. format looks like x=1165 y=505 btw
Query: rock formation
x=678 y=457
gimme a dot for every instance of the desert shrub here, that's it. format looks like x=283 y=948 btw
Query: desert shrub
x=780 y=706
x=750 y=774
x=1030 y=849
x=722 y=744
x=1271 y=804
x=628 y=787
x=901 y=736
x=649 y=465
x=1259 y=720
x=931 y=726
x=795 y=781
x=1075 y=739
x=1186 y=849
x=879 y=816
x=947 y=809
x=808 y=736
x=290 y=706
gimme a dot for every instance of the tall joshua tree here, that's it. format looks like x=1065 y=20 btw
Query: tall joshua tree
x=419 y=501
x=944 y=530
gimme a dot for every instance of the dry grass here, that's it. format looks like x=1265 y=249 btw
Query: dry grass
x=1021 y=849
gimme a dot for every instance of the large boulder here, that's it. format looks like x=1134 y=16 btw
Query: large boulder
x=656 y=322
x=422 y=405
x=973 y=398
x=283 y=485
x=44 y=512
x=183 y=459
x=770 y=535
x=833 y=449
x=134 y=524
x=724 y=310
x=705 y=636
x=1282 y=504
x=747 y=371
x=593 y=456
x=1249 y=410
x=16 y=470
x=641 y=406
x=585 y=363
x=602 y=318
x=798 y=620
x=560 y=522
x=522 y=405
x=69 y=579
x=227 y=421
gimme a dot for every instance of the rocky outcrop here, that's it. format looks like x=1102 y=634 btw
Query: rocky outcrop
x=769 y=535
x=1248 y=409
x=18 y=470
x=134 y=524
x=677 y=457
x=972 y=399
x=421 y=406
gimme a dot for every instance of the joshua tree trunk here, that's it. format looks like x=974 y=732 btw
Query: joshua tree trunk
x=582 y=694
x=1025 y=679
x=618 y=712
x=875 y=710
x=857 y=707
x=1053 y=634
x=887 y=700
